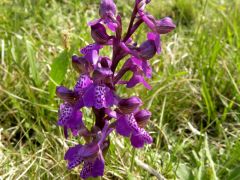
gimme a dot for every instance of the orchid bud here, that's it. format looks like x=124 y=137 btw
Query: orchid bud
x=147 y=50
x=107 y=8
x=142 y=117
x=66 y=94
x=99 y=34
x=80 y=64
x=164 y=26
x=129 y=105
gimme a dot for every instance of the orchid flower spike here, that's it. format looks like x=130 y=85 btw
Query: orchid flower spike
x=97 y=82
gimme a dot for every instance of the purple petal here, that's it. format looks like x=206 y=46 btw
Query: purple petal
x=89 y=48
x=92 y=57
x=140 y=138
x=66 y=94
x=105 y=62
x=98 y=166
x=147 y=69
x=83 y=82
x=149 y=22
x=142 y=117
x=86 y=170
x=165 y=25
x=137 y=78
x=137 y=141
x=88 y=97
x=111 y=113
x=70 y=154
x=100 y=74
x=142 y=65
x=107 y=9
x=99 y=34
x=156 y=38
x=70 y=117
x=91 y=23
x=75 y=123
x=122 y=126
x=89 y=150
x=129 y=105
x=132 y=123
x=77 y=154
x=65 y=113
x=81 y=64
x=111 y=25
x=73 y=157
x=147 y=49
x=99 y=96
x=110 y=98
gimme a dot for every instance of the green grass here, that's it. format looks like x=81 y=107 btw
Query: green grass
x=195 y=99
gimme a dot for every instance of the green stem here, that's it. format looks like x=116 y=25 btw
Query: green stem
x=132 y=160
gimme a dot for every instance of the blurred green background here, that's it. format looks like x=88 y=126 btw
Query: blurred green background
x=195 y=98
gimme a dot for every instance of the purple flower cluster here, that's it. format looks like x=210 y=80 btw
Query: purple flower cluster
x=96 y=86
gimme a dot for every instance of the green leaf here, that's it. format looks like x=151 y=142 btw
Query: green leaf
x=32 y=62
x=234 y=174
x=184 y=172
x=58 y=70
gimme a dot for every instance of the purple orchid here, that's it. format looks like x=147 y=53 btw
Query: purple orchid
x=98 y=79
x=90 y=154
